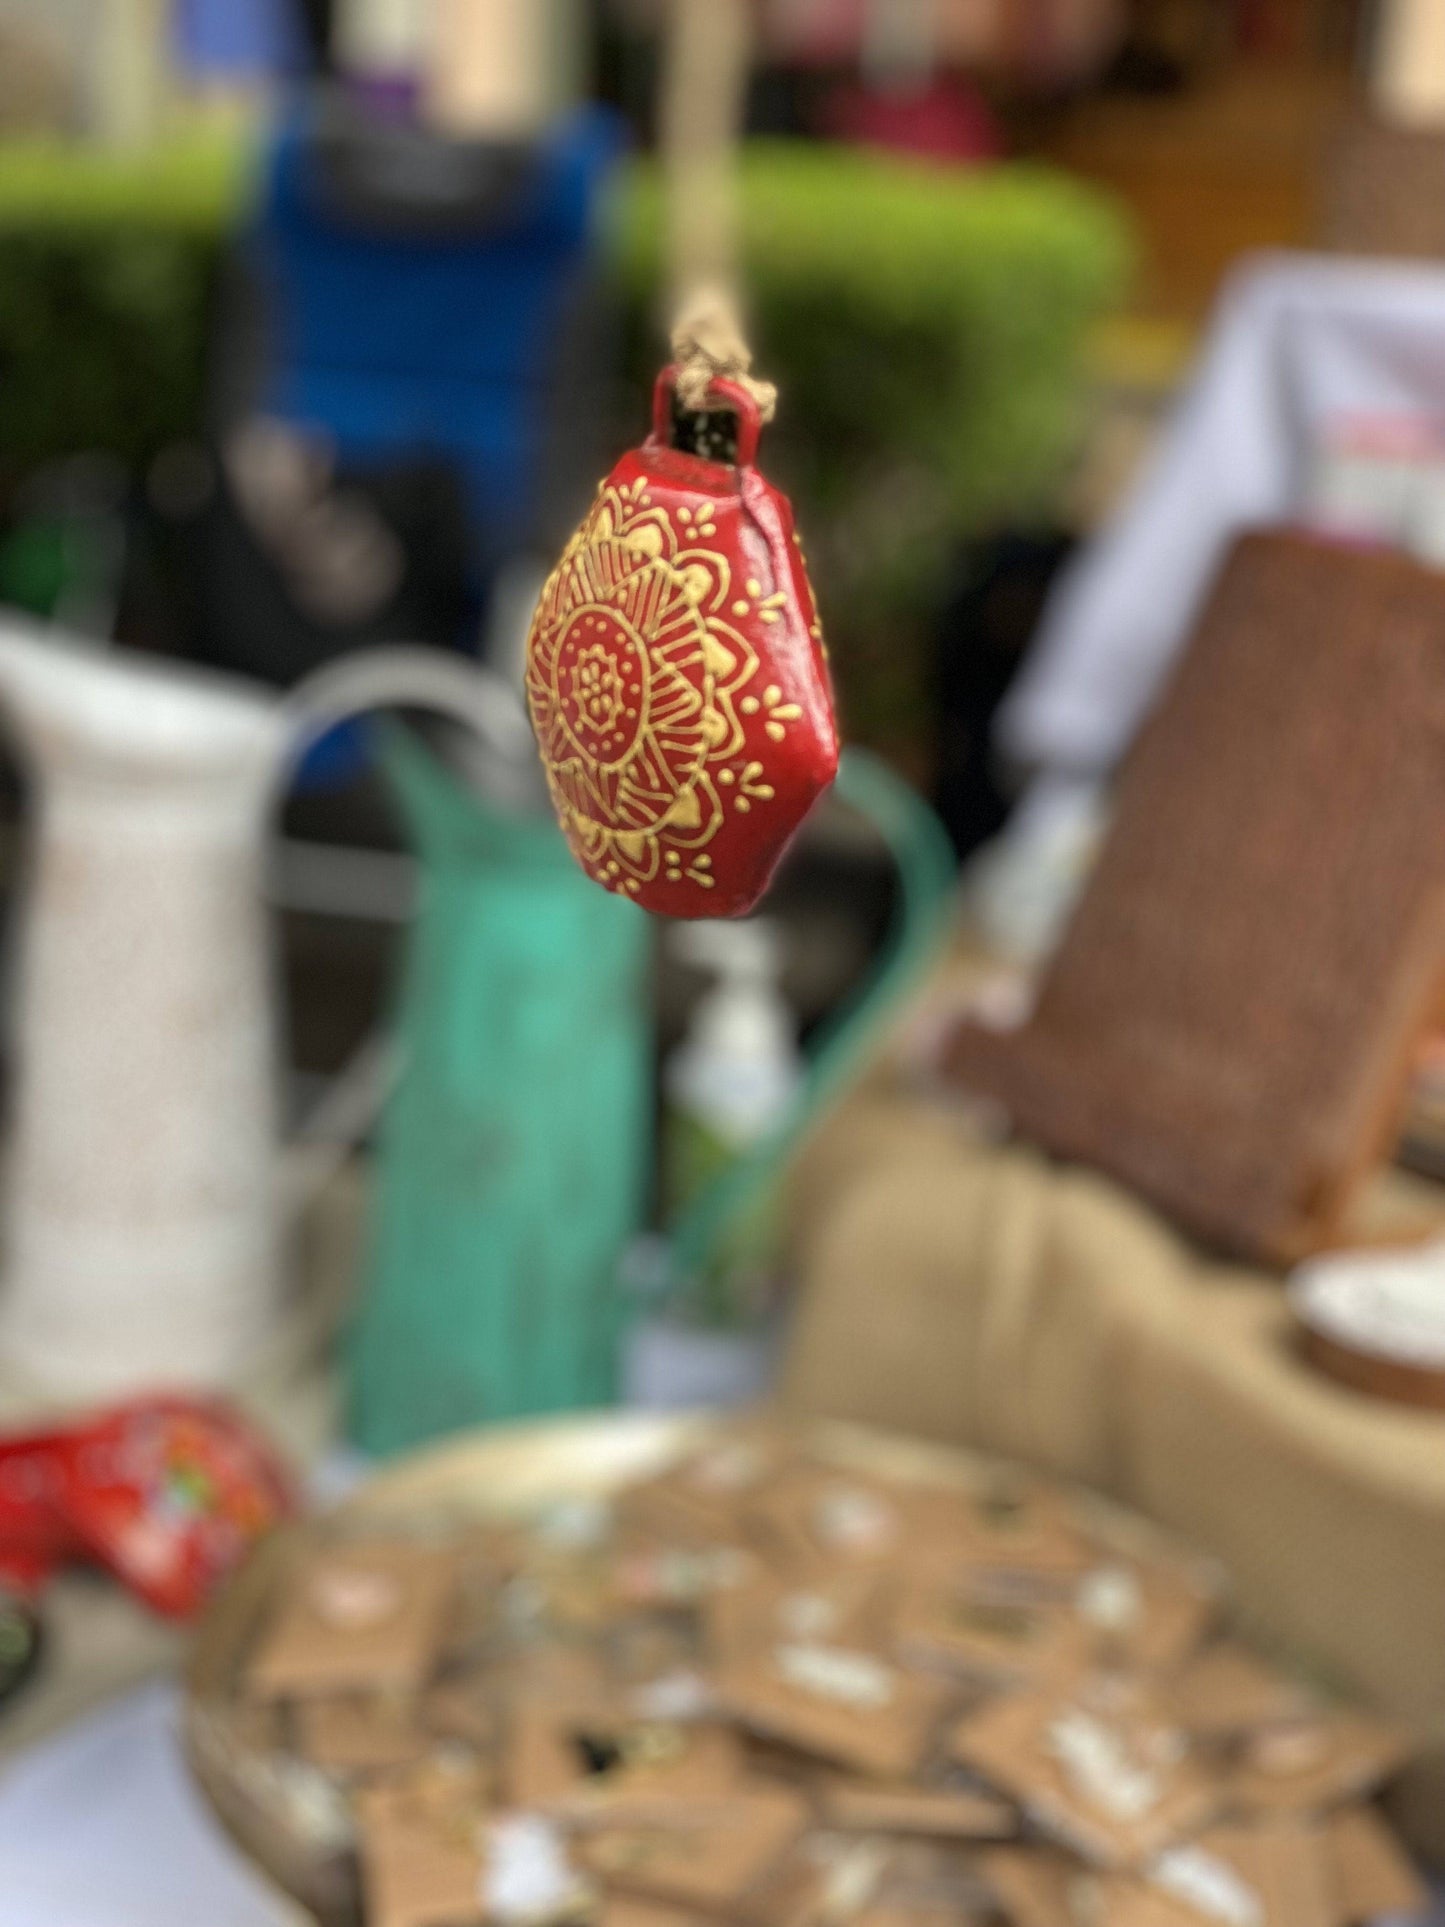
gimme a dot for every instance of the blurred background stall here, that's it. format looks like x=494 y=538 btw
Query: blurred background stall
x=330 y=353
x=335 y=1091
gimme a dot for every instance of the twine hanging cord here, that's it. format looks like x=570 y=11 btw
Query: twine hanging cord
x=708 y=345
x=704 y=100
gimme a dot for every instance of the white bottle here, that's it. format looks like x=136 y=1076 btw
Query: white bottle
x=727 y=1085
x=739 y=1067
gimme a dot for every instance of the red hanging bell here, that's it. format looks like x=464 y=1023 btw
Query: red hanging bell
x=677 y=677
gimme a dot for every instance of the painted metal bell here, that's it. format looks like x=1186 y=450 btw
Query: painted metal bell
x=677 y=676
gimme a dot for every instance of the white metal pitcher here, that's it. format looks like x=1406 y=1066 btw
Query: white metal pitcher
x=144 y=1228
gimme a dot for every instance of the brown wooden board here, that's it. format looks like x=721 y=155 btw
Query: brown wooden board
x=1229 y=1021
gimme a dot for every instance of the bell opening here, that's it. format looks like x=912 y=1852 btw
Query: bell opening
x=711 y=433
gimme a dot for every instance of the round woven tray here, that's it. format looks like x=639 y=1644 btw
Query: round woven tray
x=270 y=1805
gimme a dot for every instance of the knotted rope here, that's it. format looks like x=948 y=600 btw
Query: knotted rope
x=700 y=126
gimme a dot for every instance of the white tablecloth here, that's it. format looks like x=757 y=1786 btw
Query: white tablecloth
x=101 y=1827
x=1299 y=344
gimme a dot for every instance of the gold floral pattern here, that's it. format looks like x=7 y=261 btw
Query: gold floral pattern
x=634 y=680
x=598 y=691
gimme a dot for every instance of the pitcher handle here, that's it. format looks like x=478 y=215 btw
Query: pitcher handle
x=411 y=677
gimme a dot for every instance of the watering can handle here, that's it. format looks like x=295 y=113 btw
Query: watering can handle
x=414 y=677
x=927 y=871
x=411 y=677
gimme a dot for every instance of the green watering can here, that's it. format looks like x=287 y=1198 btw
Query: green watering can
x=515 y=1149
x=927 y=870
x=515 y=1161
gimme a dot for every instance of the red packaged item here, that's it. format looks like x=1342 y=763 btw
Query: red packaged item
x=677 y=677
x=169 y=1494
x=35 y=1536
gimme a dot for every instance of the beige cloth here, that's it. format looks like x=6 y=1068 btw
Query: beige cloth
x=978 y=1295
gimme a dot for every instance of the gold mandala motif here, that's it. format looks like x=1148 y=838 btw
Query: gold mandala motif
x=633 y=679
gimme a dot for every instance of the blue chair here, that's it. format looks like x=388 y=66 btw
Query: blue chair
x=428 y=296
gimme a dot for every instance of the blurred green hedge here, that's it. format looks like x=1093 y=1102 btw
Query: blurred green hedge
x=925 y=327
x=107 y=270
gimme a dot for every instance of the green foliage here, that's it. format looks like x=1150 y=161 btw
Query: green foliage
x=191 y=185
x=925 y=328
x=924 y=325
x=106 y=271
